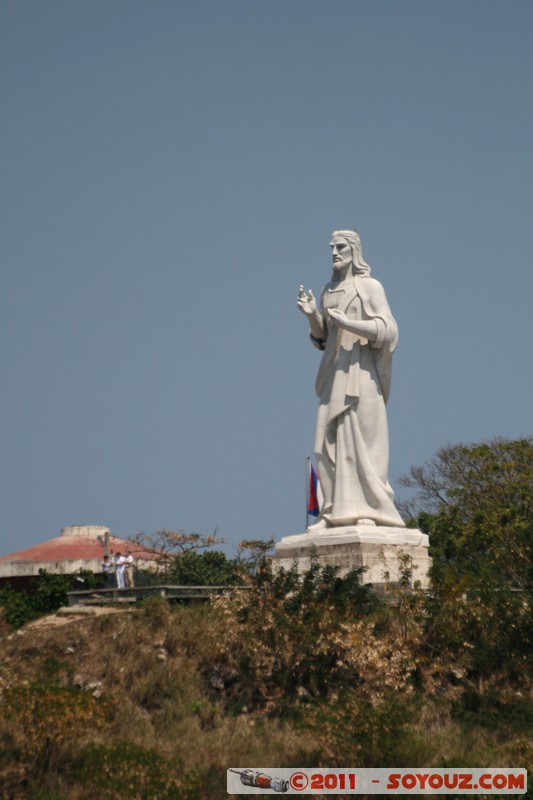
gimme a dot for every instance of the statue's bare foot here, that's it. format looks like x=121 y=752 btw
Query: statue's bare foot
x=366 y=521
x=321 y=525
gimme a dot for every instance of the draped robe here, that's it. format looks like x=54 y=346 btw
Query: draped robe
x=353 y=384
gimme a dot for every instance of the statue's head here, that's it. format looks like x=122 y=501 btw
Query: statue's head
x=347 y=254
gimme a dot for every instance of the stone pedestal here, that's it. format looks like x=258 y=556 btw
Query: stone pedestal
x=372 y=546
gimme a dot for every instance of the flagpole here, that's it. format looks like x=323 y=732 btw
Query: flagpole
x=307 y=479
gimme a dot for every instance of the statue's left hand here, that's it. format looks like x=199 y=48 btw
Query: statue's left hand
x=365 y=328
x=338 y=316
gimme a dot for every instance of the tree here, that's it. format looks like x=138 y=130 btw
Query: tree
x=169 y=545
x=254 y=553
x=476 y=502
x=211 y=568
x=179 y=559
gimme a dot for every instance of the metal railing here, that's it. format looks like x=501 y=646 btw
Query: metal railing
x=130 y=596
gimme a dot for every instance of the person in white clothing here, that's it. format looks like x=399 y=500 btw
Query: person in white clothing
x=120 y=569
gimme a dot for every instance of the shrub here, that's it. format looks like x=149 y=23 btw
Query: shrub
x=291 y=635
x=211 y=568
x=45 y=721
x=125 y=770
x=47 y=594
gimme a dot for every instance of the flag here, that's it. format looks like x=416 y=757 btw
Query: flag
x=313 y=504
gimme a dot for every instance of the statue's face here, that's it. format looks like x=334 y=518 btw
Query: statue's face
x=341 y=253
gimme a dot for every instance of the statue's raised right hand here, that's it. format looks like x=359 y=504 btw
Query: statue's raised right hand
x=306 y=302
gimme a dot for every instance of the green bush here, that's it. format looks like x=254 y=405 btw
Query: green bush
x=17 y=608
x=358 y=732
x=476 y=504
x=47 y=594
x=211 y=568
x=290 y=636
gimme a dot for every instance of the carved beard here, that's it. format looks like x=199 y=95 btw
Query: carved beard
x=340 y=271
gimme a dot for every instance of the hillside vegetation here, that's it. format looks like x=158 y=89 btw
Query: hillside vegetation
x=313 y=670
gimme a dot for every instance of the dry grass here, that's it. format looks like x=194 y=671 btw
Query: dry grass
x=161 y=669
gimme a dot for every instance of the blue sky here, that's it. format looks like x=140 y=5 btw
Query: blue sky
x=172 y=171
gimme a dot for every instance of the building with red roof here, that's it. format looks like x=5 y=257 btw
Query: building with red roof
x=77 y=547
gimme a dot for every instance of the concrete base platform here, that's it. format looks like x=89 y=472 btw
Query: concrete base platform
x=372 y=546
